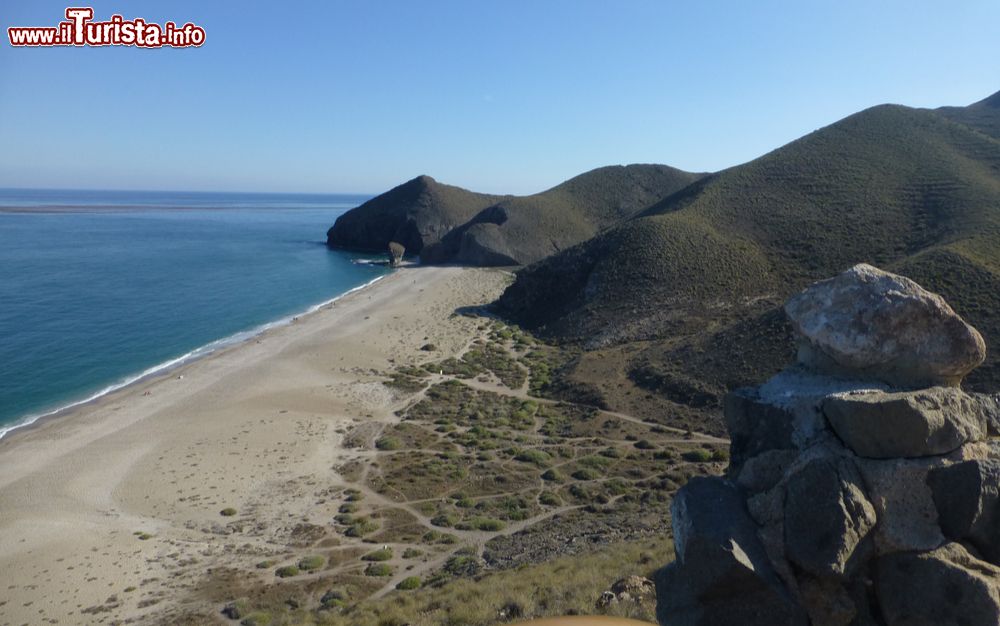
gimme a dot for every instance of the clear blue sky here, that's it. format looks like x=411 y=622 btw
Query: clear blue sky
x=509 y=96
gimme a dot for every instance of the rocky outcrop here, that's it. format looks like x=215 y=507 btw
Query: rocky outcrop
x=920 y=423
x=863 y=486
x=722 y=573
x=943 y=587
x=967 y=498
x=396 y=252
x=631 y=590
x=828 y=518
x=879 y=325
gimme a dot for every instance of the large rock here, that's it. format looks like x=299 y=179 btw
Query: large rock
x=782 y=414
x=864 y=485
x=765 y=470
x=967 y=497
x=907 y=519
x=869 y=322
x=828 y=518
x=396 y=252
x=755 y=426
x=945 y=587
x=722 y=574
x=828 y=601
x=928 y=422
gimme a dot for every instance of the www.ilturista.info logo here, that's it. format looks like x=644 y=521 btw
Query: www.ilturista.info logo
x=79 y=29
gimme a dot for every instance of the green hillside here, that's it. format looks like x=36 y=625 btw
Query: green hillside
x=417 y=213
x=687 y=294
x=984 y=115
x=521 y=230
x=449 y=224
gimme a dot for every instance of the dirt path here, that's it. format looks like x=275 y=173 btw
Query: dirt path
x=475 y=540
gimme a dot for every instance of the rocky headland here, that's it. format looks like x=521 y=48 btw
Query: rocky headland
x=442 y=223
x=863 y=482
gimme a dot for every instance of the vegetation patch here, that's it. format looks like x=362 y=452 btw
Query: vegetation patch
x=310 y=563
x=383 y=554
x=388 y=443
x=378 y=569
x=361 y=527
x=409 y=583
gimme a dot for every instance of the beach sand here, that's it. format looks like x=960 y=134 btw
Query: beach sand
x=256 y=427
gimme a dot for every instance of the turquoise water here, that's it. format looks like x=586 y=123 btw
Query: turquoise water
x=97 y=288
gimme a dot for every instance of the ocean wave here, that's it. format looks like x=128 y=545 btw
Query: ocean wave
x=197 y=353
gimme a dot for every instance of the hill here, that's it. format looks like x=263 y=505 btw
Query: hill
x=448 y=224
x=984 y=115
x=683 y=299
x=417 y=213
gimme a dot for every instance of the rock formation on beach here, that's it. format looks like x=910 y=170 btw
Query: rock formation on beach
x=863 y=482
x=396 y=252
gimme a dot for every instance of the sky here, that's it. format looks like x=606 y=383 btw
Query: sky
x=509 y=96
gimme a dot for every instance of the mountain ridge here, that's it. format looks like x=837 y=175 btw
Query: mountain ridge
x=684 y=297
x=444 y=224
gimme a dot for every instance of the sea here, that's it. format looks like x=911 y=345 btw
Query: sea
x=99 y=289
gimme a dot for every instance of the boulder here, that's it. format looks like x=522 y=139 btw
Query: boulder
x=967 y=498
x=828 y=601
x=634 y=586
x=765 y=470
x=907 y=518
x=885 y=327
x=396 y=251
x=722 y=574
x=990 y=404
x=828 y=518
x=800 y=393
x=944 y=587
x=927 y=422
x=631 y=589
x=755 y=426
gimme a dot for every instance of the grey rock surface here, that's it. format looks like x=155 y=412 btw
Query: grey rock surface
x=870 y=322
x=945 y=587
x=755 y=426
x=764 y=471
x=903 y=503
x=828 y=518
x=863 y=487
x=722 y=574
x=967 y=498
x=927 y=422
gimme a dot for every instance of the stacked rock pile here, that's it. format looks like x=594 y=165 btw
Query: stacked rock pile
x=864 y=484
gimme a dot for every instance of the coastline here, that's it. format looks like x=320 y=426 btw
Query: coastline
x=114 y=507
x=167 y=367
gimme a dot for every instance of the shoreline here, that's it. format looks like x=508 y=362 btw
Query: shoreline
x=112 y=511
x=166 y=367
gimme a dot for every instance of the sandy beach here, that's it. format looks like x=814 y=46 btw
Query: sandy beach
x=111 y=513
